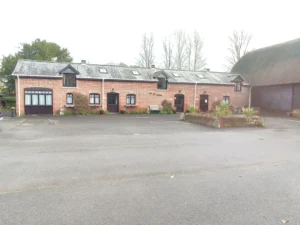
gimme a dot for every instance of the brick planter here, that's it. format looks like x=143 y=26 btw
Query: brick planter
x=231 y=121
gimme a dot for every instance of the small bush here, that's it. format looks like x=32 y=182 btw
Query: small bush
x=106 y=112
x=68 y=113
x=83 y=113
x=123 y=111
x=222 y=110
x=248 y=112
x=101 y=111
x=133 y=112
x=166 y=105
x=142 y=111
x=192 y=109
x=93 y=112
x=170 y=111
x=81 y=104
x=215 y=104
x=163 y=112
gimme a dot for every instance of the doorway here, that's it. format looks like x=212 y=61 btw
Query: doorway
x=204 y=103
x=113 y=102
x=38 y=101
x=179 y=102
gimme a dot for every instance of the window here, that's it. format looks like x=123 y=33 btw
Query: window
x=69 y=99
x=162 y=83
x=94 y=99
x=69 y=80
x=226 y=99
x=200 y=76
x=238 y=87
x=131 y=99
x=103 y=70
x=175 y=74
x=38 y=98
x=134 y=72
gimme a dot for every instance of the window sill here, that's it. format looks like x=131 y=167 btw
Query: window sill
x=161 y=89
x=130 y=106
x=95 y=105
x=69 y=87
x=69 y=106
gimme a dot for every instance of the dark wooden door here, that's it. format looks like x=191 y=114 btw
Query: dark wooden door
x=204 y=103
x=38 y=101
x=179 y=102
x=113 y=102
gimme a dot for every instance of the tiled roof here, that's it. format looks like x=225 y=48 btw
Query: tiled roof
x=92 y=71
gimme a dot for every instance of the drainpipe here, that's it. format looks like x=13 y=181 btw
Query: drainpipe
x=103 y=94
x=249 y=101
x=19 y=96
x=195 y=95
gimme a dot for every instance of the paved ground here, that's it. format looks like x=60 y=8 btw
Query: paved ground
x=147 y=170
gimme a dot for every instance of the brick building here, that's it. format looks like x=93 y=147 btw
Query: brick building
x=47 y=87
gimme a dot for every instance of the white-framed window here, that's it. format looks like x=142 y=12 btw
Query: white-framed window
x=130 y=99
x=238 y=87
x=94 y=99
x=69 y=99
x=226 y=99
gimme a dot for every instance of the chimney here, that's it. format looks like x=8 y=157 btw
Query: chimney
x=83 y=62
x=152 y=66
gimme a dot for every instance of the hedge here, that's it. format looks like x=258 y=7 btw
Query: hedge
x=9 y=99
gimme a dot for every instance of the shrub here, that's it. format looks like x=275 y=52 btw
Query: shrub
x=170 y=111
x=133 y=112
x=81 y=104
x=215 y=104
x=192 y=109
x=83 y=113
x=248 y=112
x=68 y=113
x=106 y=112
x=143 y=111
x=101 y=111
x=223 y=110
x=163 y=112
x=9 y=99
x=123 y=111
x=93 y=112
x=166 y=105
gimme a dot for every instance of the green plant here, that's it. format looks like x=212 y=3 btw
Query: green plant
x=248 y=112
x=133 y=112
x=170 y=111
x=166 y=105
x=93 y=112
x=68 y=113
x=192 y=109
x=106 y=112
x=9 y=99
x=83 y=113
x=163 y=112
x=142 y=111
x=223 y=110
x=101 y=111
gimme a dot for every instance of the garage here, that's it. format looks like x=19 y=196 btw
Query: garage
x=38 y=101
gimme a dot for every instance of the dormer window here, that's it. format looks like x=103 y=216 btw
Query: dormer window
x=162 y=82
x=69 y=80
x=238 y=87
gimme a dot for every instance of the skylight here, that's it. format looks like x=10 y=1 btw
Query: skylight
x=175 y=74
x=103 y=70
x=200 y=76
x=134 y=72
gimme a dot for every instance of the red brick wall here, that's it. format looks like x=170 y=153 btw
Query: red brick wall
x=146 y=93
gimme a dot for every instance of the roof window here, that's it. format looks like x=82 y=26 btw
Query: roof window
x=176 y=74
x=103 y=70
x=134 y=72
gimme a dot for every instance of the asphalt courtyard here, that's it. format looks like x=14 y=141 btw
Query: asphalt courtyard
x=147 y=170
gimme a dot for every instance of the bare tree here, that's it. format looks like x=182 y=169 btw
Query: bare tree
x=239 y=42
x=167 y=52
x=146 y=57
x=180 y=45
x=199 y=61
x=188 y=52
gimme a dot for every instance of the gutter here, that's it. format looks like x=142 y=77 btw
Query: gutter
x=195 y=95
x=102 y=93
x=249 y=98
x=19 y=96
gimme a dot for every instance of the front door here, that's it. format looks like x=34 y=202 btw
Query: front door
x=38 y=101
x=113 y=102
x=204 y=103
x=179 y=102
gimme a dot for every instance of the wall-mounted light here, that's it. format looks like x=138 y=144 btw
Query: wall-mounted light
x=179 y=91
x=204 y=92
x=112 y=90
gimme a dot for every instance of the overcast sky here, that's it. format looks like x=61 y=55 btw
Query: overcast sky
x=110 y=31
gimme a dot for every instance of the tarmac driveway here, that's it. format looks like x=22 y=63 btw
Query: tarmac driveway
x=147 y=170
